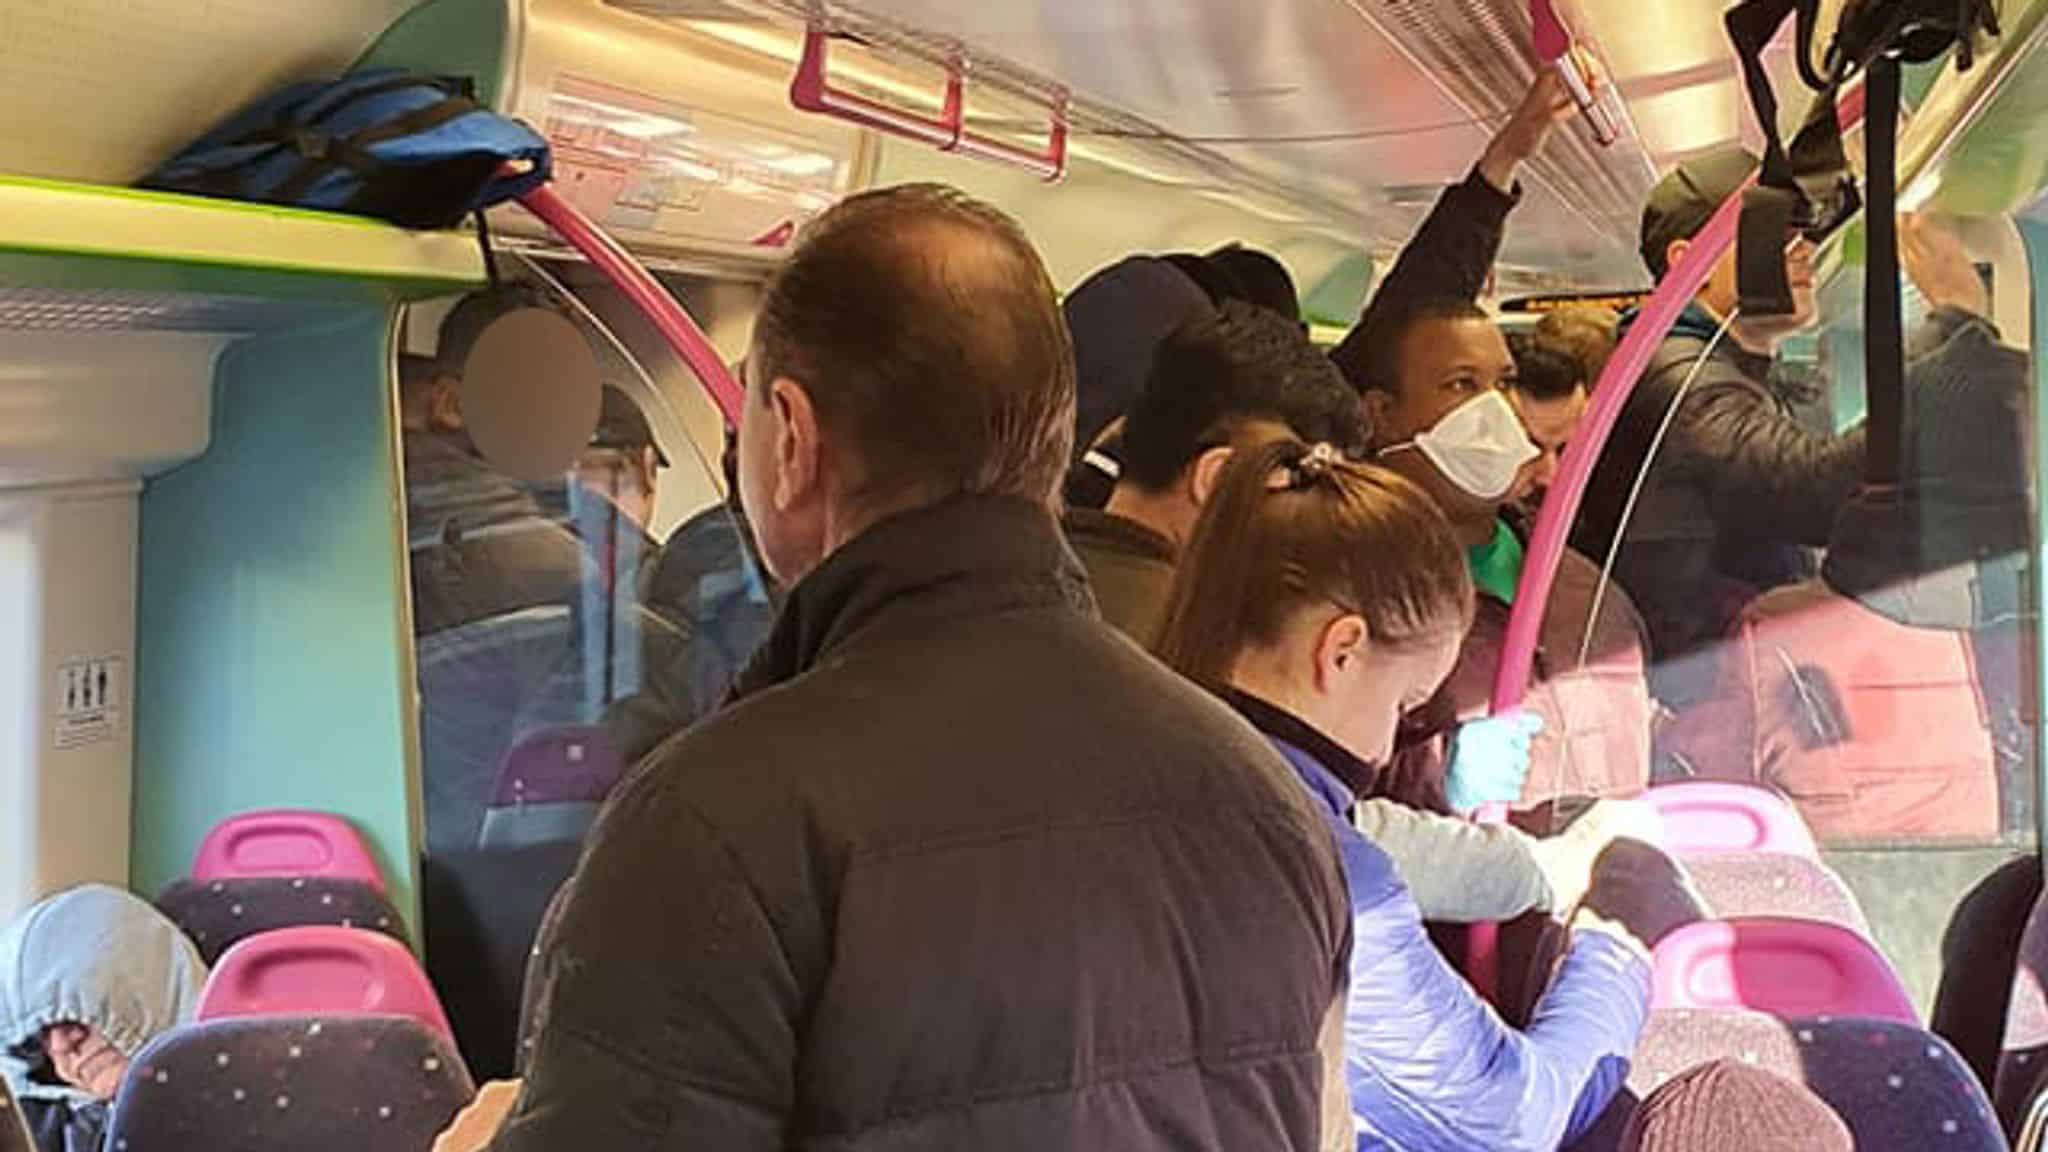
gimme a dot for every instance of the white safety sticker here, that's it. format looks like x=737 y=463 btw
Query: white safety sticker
x=88 y=702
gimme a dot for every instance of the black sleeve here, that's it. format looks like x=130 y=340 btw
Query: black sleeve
x=1758 y=466
x=668 y=1012
x=1449 y=257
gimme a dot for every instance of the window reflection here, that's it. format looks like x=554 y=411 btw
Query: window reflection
x=558 y=639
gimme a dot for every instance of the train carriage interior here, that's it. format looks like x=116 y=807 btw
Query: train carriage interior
x=346 y=569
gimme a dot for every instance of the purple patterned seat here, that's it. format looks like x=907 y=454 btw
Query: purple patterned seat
x=550 y=787
x=1897 y=1086
x=1740 y=884
x=218 y=914
x=310 y=1084
x=2023 y=1056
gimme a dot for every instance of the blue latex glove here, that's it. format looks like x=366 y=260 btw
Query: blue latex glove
x=1490 y=760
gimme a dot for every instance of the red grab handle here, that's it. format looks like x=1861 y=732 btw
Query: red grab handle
x=812 y=91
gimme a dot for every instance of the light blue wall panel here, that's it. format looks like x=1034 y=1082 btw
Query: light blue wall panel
x=271 y=663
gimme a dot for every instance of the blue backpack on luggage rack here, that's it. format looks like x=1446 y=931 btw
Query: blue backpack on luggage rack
x=414 y=150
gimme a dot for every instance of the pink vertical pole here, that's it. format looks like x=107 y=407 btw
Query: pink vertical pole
x=1575 y=472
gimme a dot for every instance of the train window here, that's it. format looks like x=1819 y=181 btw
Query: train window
x=563 y=625
x=1868 y=654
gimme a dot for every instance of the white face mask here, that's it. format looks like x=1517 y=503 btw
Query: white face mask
x=1479 y=446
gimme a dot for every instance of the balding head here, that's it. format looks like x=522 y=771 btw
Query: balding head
x=927 y=341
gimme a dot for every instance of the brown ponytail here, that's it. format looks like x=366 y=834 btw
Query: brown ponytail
x=1291 y=526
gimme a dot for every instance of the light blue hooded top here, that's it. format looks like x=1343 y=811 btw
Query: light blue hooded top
x=98 y=956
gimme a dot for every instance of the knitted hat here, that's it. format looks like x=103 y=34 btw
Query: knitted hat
x=1118 y=316
x=1731 y=1105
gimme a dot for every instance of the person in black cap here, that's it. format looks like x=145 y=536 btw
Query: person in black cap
x=622 y=462
x=1739 y=488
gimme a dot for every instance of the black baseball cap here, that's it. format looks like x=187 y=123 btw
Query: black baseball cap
x=1688 y=196
x=622 y=425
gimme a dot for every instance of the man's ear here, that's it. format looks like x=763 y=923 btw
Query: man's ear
x=1208 y=473
x=444 y=404
x=799 y=454
x=1378 y=406
x=1675 y=251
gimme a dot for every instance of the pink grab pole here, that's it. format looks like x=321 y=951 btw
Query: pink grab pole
x=1575 y=471
x=644 y=291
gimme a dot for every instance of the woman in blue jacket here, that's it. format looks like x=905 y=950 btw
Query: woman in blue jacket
x=1324 y=598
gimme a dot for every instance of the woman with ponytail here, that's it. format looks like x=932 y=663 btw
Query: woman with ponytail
x=1323 y=598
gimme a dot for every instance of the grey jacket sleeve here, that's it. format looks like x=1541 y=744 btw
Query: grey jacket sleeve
x=668 y=1011
x=1458 y=872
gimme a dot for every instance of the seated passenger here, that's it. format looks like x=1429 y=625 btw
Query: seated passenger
x=1231 y=381
x=1440 y=417
x=1549 y=393
x=810 y=921
x=87 y=978
x=1725 y=1105
x=1875 y=697
x=1323 y=598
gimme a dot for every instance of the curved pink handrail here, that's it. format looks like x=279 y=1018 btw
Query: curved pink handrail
x=644 y=291
x=1575 y=471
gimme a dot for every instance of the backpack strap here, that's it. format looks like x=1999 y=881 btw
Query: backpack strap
x=323 y=154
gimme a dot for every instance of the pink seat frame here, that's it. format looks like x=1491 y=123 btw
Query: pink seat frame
x=1777 y=966
x=1704 y=817
x=285 y=842
x=321 y=970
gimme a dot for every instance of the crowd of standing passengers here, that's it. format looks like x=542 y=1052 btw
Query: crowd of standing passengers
x=1114 y=738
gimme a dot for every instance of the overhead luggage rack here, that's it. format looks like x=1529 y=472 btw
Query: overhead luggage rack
x=80 y=255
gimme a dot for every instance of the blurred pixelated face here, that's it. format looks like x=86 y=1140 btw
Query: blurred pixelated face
x=85 y=1059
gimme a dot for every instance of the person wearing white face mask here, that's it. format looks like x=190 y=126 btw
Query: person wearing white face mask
x=1440 y=415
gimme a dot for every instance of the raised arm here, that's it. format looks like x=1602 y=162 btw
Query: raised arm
x=1453 y=252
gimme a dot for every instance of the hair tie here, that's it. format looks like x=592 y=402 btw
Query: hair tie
x=1312 y=467
x=1301 y=475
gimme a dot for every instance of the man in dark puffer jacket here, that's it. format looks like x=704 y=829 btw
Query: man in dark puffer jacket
x=959 y=867
x=1739 y=487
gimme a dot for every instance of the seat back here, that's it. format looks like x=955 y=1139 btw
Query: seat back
x=1704 y=817
x=218 y=914
x=1897 y=748
x=474 y=682
x=482 y=913
x=1896 y=1085
x=1776 y=966
x=2023 y=1056
x=550 y=786
x=285 y=842
x=14 y=1134
x=310 y=1084
x=321 y=971
x=1773 y=884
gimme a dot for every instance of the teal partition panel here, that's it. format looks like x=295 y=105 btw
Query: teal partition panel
x=272 y=666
